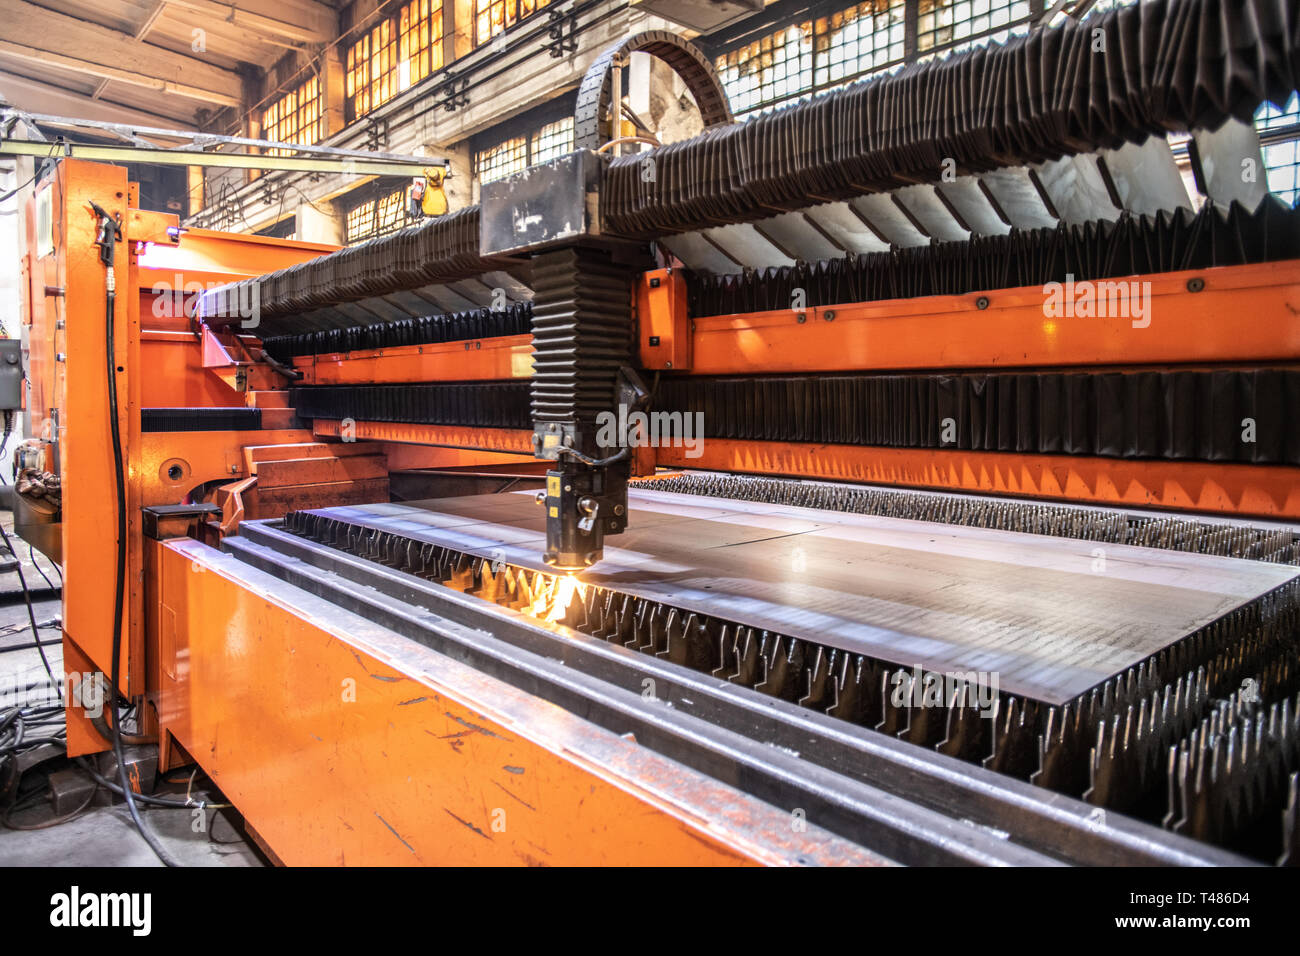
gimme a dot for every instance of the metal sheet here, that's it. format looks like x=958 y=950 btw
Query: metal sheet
x=1050 y=617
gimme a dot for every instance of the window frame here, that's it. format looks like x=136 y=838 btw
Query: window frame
x=305 y=107
x=818 y=29
x=512 y=12
x=420 y=52
x=370 y=70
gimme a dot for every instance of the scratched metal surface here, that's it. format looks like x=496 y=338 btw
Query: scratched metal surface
x=1052 y=617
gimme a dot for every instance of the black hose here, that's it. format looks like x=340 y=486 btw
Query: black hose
x=287 y=371
x=119 y=482
x=593 y=462
x=7 y=820
x=174 y=804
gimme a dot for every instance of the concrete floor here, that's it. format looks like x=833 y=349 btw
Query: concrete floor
x=103 y=835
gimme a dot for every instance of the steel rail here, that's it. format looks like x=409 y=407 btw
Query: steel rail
x=782 y=753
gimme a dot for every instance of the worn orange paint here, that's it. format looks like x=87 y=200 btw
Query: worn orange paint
x=83 y=738
x=1265 y=491
x=201 y=457
x=77 y=387
x=402 y=457
x=663 y=323
x=469 y=360
x=951 y=331
x=343 y=744
x=64 y=299
x=176 y=374
x=511 y=440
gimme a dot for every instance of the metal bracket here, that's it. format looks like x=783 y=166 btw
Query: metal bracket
x=453 y=92
x=560 y=42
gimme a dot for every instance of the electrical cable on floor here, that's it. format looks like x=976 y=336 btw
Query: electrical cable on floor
x=176 y=804
x=109 y=234
x=10 y=648
x=29 y=743
x=16 y=724
x=31 y=556
x=31 y=614
x=6 y=819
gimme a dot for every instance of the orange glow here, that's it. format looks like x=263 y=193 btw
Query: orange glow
x=552 y=601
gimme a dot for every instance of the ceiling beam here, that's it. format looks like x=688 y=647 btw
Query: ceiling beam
x=188 y=156
x=34 y=96
x=320 y=18
x=309 y=29
x=46 y=58
x=99 y=51
x=143 y=29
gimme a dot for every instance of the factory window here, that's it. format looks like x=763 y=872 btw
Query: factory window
x=501 y=160
x=390 y=212
x=816 y=55
x=1281 y=151
x=371 y=76
x=294 y=118
x=770 y=70
x=548 y=142
x=376 y=216
x=419 y=41
x=951 y=25
x=551 y=141
x=863 y=38
x=496 y=16
x=361 y=221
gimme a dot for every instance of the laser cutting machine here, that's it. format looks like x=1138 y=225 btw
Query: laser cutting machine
x=987 y=554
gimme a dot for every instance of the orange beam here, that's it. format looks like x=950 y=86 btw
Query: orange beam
x=320 y=471
x=343 y=743
x=1266 y=491
x=406 y=457
x=1004 y=328
x=198 y=457
x=204 y=255
x=506 y=357
x=70 y=374
x=177 y=376
x=1012 y=330
x=509 y=440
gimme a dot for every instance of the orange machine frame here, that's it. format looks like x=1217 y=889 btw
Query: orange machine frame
x=159 y=364
x=249 y=678
x=1005 y=328
x=342 y=742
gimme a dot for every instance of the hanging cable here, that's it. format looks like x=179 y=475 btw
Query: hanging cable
x=110 y=232
x=31 y=614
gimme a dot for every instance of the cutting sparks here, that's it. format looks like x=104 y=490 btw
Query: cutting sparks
x=552 y=601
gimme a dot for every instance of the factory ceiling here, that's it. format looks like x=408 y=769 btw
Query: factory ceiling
x=148 y=62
